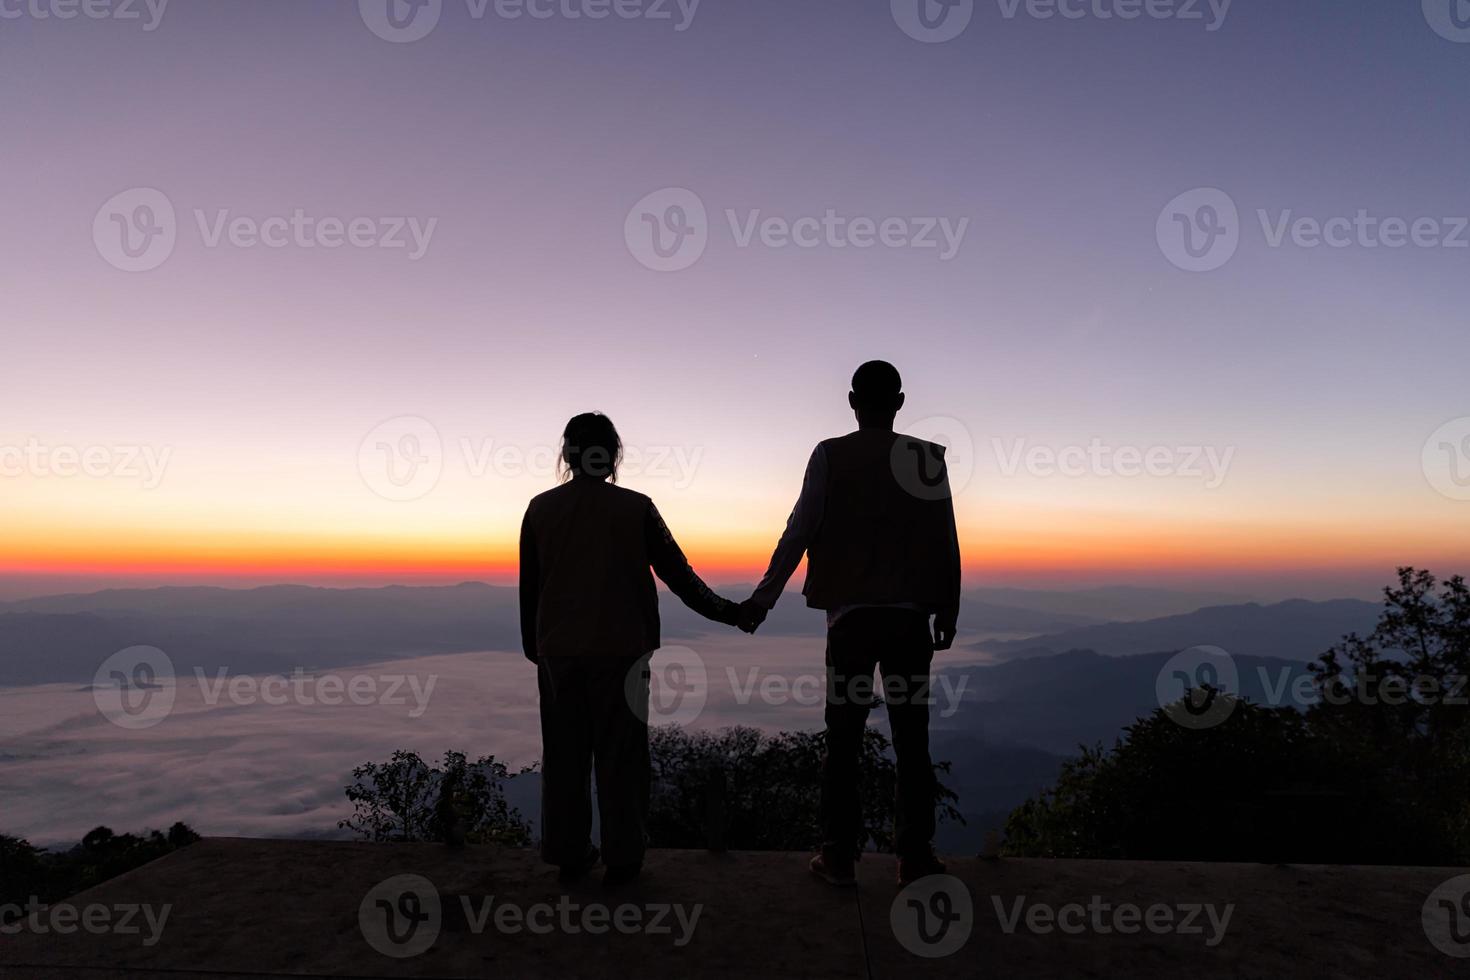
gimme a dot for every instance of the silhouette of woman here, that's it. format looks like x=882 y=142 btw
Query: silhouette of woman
x=589 y=621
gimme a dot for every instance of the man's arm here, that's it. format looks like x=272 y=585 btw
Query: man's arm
x=946 y=618
x=801 y=531
x=530 y=590
x=669 y=564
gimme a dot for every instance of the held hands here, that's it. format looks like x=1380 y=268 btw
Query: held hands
x=751 y=616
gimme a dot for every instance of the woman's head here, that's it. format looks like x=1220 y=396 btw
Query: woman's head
x=590 y=447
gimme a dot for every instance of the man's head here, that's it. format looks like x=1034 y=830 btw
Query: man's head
x=877 y=394
x=590 y=447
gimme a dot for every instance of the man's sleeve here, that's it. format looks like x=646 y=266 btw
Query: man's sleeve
x=801 y=530
x=670 y=565
x=530 y=588
x=953 y=558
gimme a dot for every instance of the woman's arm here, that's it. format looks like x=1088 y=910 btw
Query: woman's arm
x=530 y=589
x=669 y=564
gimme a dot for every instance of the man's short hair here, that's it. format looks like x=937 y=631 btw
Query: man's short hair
x=876 y=383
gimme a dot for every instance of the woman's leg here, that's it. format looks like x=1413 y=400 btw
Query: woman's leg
x=621 y=749
x=566 y=761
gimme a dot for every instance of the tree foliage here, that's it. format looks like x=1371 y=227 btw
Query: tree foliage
x=765 y=789
x=1375 y=770
x=456 y=802
x=738 y=788
x=28 y=872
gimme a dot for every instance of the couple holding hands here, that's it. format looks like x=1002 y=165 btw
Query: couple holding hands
x=876 y=523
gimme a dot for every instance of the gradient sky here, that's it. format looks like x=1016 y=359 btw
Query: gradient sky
x=1060 y=321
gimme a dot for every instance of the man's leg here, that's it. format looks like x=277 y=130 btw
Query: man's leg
x=620 y=744
x=909 y=651
x=566 y=762
x=850 y=663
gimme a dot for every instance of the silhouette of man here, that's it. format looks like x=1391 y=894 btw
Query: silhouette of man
x=876 y=523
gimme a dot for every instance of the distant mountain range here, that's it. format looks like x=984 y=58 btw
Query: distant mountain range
x=1294 y=630
x=265 y=630
x=1058 y=702
x=279 y=628
x=1111 y=603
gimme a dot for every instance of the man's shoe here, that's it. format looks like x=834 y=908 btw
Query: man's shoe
x=911 y=869
x=621 y=874
x=578 y=870
x=834 y=870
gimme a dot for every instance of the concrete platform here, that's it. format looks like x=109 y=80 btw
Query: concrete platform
x=249 y=908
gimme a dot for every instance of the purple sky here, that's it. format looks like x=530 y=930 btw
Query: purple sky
x=1059 y=319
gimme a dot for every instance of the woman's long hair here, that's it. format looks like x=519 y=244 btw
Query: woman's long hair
x=590 y=447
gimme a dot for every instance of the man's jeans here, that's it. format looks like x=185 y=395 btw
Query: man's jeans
x=898 y=642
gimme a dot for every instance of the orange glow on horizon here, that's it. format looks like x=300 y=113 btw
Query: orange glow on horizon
x=1121 y=546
